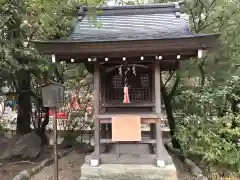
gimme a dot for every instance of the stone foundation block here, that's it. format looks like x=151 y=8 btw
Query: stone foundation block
x=128 y=172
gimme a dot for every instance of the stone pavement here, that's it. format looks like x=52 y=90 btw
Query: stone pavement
x=69 y=168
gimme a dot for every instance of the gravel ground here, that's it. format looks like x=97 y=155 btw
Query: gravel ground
x=70 y=169
x=10 y=168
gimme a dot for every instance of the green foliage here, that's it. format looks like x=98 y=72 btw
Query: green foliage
x=213 y=138
x=216 y=16
x=2 y=129
x=210 y=126
x=22 y=21
x=51 y=19
x=209 y=92
x=210 y=100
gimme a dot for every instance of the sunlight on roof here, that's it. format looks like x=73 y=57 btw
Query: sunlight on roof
x=111 y=3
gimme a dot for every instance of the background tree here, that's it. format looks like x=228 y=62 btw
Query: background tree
x=22 y=21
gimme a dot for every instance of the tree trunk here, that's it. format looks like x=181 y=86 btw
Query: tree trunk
x=23 y=77
x=41 y=130
x=167 y=98
x=24 y=103
x=235 y=111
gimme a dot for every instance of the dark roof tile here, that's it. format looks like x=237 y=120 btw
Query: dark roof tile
x=140 y=22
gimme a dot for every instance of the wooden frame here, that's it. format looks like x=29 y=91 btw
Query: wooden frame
x=153 y=47
x=146 y=118
x=135 y=82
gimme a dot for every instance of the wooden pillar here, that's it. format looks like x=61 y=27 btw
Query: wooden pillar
x=103 y=128
x=96 y=109
x=109 y=131
x=153 y=130
x=153 y=125
x=157 y=77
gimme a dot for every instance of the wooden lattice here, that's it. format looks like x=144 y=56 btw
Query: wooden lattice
x=140 y=87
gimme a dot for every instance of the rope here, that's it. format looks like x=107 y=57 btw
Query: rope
x=125 y=78
x=126 y=95
x=120 y=70
x=134 y=70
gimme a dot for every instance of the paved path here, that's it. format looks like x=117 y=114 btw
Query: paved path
x=69 y=168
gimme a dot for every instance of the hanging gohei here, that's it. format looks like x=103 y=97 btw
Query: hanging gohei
x=125 y=89
x=126 y=68
x=126 y=99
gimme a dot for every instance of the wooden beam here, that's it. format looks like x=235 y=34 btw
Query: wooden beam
x=144 y=141
x=159 y=143
x=166 y=57
x=143 y=121
x=96 y=109
x=142 y=115
x=124 y=48
x=133 y=104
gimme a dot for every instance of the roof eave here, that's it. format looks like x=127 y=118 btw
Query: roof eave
x=69 y=41
x=126 y=48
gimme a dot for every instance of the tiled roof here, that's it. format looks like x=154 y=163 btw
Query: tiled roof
x=141 y=22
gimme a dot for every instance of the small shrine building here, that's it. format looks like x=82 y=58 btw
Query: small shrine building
x=126 y=50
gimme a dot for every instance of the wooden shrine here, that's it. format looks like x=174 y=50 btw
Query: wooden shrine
x=126 y=55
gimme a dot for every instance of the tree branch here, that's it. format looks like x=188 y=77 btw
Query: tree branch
x=169 y=78
x=170 y=95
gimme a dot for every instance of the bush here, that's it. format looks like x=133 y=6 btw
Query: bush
x=2 y=129
x=212 y=138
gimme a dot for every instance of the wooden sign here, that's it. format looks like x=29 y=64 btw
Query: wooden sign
x=53 y=95
x=126 y=128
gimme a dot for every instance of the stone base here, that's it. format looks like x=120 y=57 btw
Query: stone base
x=128 y=172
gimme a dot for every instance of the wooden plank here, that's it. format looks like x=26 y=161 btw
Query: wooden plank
x=142 y=115
x=143 y=121
x=144 y=141
x=126 y=128
x=149 y=121
x=132 y=104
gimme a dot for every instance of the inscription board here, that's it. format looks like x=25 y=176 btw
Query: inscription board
x=126 y=128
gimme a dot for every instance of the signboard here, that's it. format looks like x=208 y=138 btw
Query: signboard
x=53 y=95
x=126 y=128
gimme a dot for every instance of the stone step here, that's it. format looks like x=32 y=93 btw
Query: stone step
x=128 y=172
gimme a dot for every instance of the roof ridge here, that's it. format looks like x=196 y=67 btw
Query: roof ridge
x=140 y=6
x=170 y=7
